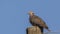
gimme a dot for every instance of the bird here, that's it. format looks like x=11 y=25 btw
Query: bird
x=37 y=21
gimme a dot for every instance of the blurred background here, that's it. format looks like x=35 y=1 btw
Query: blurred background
x=14 y=15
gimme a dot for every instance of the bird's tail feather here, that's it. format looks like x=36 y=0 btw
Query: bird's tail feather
x=47 y=29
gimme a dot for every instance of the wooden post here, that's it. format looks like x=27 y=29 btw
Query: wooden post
x=33 y=30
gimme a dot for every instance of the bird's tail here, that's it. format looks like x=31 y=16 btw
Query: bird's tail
x=48 y=29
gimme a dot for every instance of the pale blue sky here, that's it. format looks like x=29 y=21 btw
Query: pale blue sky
x=14 y=17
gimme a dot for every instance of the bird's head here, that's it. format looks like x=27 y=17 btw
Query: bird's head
x=31 y=13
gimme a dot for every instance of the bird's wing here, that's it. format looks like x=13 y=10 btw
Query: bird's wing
x=39 y=21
